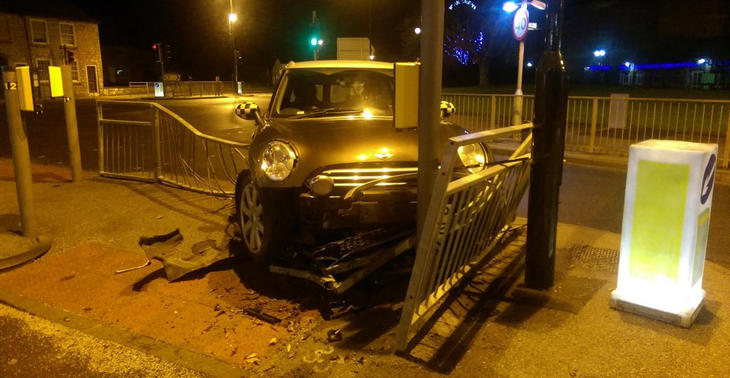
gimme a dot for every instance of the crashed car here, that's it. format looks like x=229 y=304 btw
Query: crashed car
x=325 y=158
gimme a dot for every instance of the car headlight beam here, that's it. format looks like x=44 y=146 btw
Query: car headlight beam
x=473 y=156
x=278 y=160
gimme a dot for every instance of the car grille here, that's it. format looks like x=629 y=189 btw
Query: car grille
x=350 y=177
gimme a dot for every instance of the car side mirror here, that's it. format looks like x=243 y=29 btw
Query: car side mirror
x=447 y=109
x=249 y=111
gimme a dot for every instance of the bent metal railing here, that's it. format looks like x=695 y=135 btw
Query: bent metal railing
x=147 y=142
x=466 y=218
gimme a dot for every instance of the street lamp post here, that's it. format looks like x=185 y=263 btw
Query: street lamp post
x=233 y=17
x=520 y=24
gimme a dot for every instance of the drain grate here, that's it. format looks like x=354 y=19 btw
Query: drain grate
x=602 y=259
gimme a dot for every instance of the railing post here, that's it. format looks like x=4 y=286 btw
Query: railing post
x=158 y=148
x=726 y=153
x=594 y=120
x=100 y=135
x=492 y=111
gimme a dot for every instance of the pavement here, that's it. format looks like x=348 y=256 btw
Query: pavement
x=69 y=314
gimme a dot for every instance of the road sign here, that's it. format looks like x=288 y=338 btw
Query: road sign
x=520 y=23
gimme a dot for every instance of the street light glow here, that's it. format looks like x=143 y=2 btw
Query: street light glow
x=701 y=61
x=509 y=6
x=538 y=4
x=627 y=64
x=598 y=53
x=529 y=64
x=232 y=17
x=417 y=30
x=320 y=42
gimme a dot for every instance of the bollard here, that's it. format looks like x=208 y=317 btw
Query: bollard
x=551 y=100
x=72 y=127
x=21 y=155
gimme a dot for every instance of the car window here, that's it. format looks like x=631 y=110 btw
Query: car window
x=317 y=92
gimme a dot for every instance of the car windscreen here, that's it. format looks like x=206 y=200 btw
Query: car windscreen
x=328 y=92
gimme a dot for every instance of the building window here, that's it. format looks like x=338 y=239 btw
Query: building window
x=42 y=67
x=67 y=33
x=38 y=31
x=75 y=71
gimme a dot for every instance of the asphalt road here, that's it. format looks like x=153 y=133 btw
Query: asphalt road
x=590 y=196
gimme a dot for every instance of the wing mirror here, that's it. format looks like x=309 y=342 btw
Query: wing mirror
x=447 y=109
x=249 y=111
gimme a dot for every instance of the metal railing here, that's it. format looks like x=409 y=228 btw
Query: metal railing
x=145 y=141
x=466 y=217
x=609 y=125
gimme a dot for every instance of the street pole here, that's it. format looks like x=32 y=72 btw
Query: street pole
x=429 y=128
x=233 y=47
x=72 y=128
x=551 y=99
x=21 y=155
x=517 y=104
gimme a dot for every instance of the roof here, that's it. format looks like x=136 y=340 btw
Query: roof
x=341 y=64
x=46 y=9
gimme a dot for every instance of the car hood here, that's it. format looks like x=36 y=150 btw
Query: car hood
x=326 y=142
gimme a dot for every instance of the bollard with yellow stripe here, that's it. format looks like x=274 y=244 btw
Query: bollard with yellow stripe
x=666 y=222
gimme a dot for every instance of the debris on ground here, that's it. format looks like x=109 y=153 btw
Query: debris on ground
x=125 y=270
x=272 y=341
x=257 y=313
x=334 y=335
x=252 y=358
x=178 y=262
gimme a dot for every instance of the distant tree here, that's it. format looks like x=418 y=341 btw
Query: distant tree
x=469 y=33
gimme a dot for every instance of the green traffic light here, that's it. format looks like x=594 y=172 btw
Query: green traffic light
x=313 y=41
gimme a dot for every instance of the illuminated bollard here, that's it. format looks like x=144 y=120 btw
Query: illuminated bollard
x=666 y=221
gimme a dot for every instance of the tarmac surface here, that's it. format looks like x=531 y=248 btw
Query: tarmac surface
x=195 y=325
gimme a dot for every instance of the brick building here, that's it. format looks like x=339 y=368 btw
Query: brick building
x=45 y=36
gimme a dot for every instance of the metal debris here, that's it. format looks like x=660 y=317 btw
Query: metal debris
x=125 y=270
x=334 y=335
x=257 y=313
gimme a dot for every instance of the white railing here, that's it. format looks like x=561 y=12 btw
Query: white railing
x=466 y=218
x=607 y=125
x=146 y=141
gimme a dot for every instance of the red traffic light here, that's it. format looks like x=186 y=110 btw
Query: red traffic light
x=154 y=47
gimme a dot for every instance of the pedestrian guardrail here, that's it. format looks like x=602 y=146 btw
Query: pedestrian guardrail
x=466 y=217
x=609 y=125
x=147 y=142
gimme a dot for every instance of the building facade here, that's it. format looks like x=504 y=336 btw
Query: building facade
x=40 y=41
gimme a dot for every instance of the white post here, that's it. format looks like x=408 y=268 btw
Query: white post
x=517 y=103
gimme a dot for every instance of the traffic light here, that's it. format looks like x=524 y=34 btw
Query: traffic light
x=156 y=52
x=168 y=53
x=313 y=41
x=70 y=56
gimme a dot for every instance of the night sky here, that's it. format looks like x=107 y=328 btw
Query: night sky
x=640 y=31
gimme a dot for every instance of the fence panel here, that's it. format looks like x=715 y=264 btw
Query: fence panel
x=465 y=219
x=146 y=141
x=609 y=125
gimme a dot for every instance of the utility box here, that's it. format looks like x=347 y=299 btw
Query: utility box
x=618 y=110
x=666 y=221
x=354 y=49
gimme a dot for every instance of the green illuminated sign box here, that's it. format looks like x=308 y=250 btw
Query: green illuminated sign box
x=666 y=220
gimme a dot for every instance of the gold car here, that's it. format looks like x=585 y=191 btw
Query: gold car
x=326 y=159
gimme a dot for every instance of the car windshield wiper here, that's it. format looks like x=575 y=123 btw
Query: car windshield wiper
x=329 y=111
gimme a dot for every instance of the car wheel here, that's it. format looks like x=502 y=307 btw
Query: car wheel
x=264 y=227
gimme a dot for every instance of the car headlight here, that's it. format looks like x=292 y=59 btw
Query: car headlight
x=473 y=156
x=278 y=160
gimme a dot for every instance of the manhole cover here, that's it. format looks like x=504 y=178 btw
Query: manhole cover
x=603 y=259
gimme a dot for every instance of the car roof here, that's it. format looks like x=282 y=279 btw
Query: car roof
x=367 y=64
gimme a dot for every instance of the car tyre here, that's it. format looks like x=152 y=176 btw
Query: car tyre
x=265 y=224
